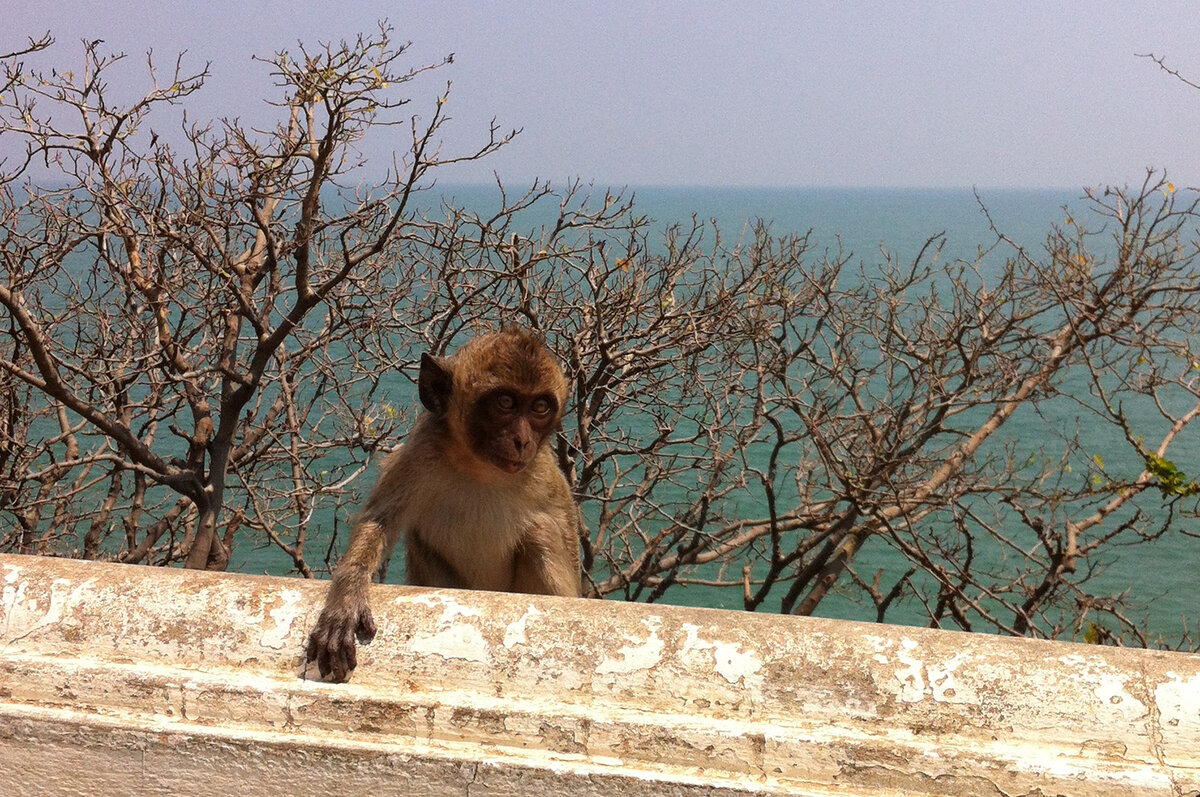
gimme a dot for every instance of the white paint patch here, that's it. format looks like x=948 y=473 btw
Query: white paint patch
x=453 y=640
x=942 y=681
x=21 y=615
x=636 y=657
x=693 y=641
x=11 y=596
x=729 y=661
x=1110 y=689
x=1107 y=686
x=283 y=614
x=514 y=633
x=1179 y=701
x=241 y=616
x=450 y=607
x=732 y=664
x=911 y=678
x=881 y=644
x=459 y=641
x=455 y=609
x=424 y=598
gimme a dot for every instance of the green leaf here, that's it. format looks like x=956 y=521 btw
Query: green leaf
x=1170 y=479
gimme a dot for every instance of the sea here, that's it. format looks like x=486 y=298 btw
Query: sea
x=865 y=225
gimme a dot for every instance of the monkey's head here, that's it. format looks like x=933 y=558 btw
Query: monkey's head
x=501 y=396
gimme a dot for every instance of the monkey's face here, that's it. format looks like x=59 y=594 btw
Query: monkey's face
x=500 y=397
x=506 y=427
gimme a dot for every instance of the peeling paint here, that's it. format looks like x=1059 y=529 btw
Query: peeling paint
x=1111 y=689
x=453 y=640
x=459 y=641
x=729 y=661
x=734 y=665
x=642 y=656
x=1179 y=700
x=451 y=608
x=240 y=615
x=283 y=614
x=12 y=594
x=911 y=678
x=942 y=682
x=154 y=671
x=21 y=615
x=514 y=633
x=455 y=609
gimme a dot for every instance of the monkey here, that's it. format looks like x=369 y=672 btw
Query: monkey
x=475 y=491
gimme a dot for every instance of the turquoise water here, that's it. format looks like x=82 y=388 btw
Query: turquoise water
x=866 y=223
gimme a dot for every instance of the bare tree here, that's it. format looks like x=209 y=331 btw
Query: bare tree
x=202 y=345
x=756 y=416
x=199 y=315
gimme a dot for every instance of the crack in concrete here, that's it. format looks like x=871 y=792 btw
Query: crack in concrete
x=1154 y=730
x=474 y=777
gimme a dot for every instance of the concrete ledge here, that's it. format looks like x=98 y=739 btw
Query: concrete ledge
x=118 y=680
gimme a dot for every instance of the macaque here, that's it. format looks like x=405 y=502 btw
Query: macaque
x=475 y=491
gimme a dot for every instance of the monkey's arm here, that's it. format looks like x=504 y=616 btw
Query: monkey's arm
x=347 y=613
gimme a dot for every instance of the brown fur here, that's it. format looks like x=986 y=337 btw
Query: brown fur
x=475 y=492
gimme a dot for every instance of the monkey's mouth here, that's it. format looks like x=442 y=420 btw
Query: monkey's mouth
x=509 y=465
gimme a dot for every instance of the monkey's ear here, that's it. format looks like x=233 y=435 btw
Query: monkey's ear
x=434 y=384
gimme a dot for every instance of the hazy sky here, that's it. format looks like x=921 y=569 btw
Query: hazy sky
x=727 y=93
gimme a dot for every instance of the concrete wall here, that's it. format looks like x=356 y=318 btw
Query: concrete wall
x=120 y=680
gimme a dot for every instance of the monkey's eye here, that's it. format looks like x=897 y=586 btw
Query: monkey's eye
x=541 y=406
x=505 y=402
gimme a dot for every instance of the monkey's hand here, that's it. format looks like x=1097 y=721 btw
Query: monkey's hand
x=331 y=643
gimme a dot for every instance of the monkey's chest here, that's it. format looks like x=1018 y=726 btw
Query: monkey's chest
x=476 y=533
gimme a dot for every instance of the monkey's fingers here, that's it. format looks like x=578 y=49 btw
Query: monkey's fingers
x=342 y=655
x=318 y=651
x=312 y=650
x=322 y=649
x=366 y=627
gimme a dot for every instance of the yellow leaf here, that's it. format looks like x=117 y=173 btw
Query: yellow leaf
x=1170 y=188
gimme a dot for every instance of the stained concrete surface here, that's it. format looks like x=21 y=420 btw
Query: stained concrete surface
x=121 y=680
